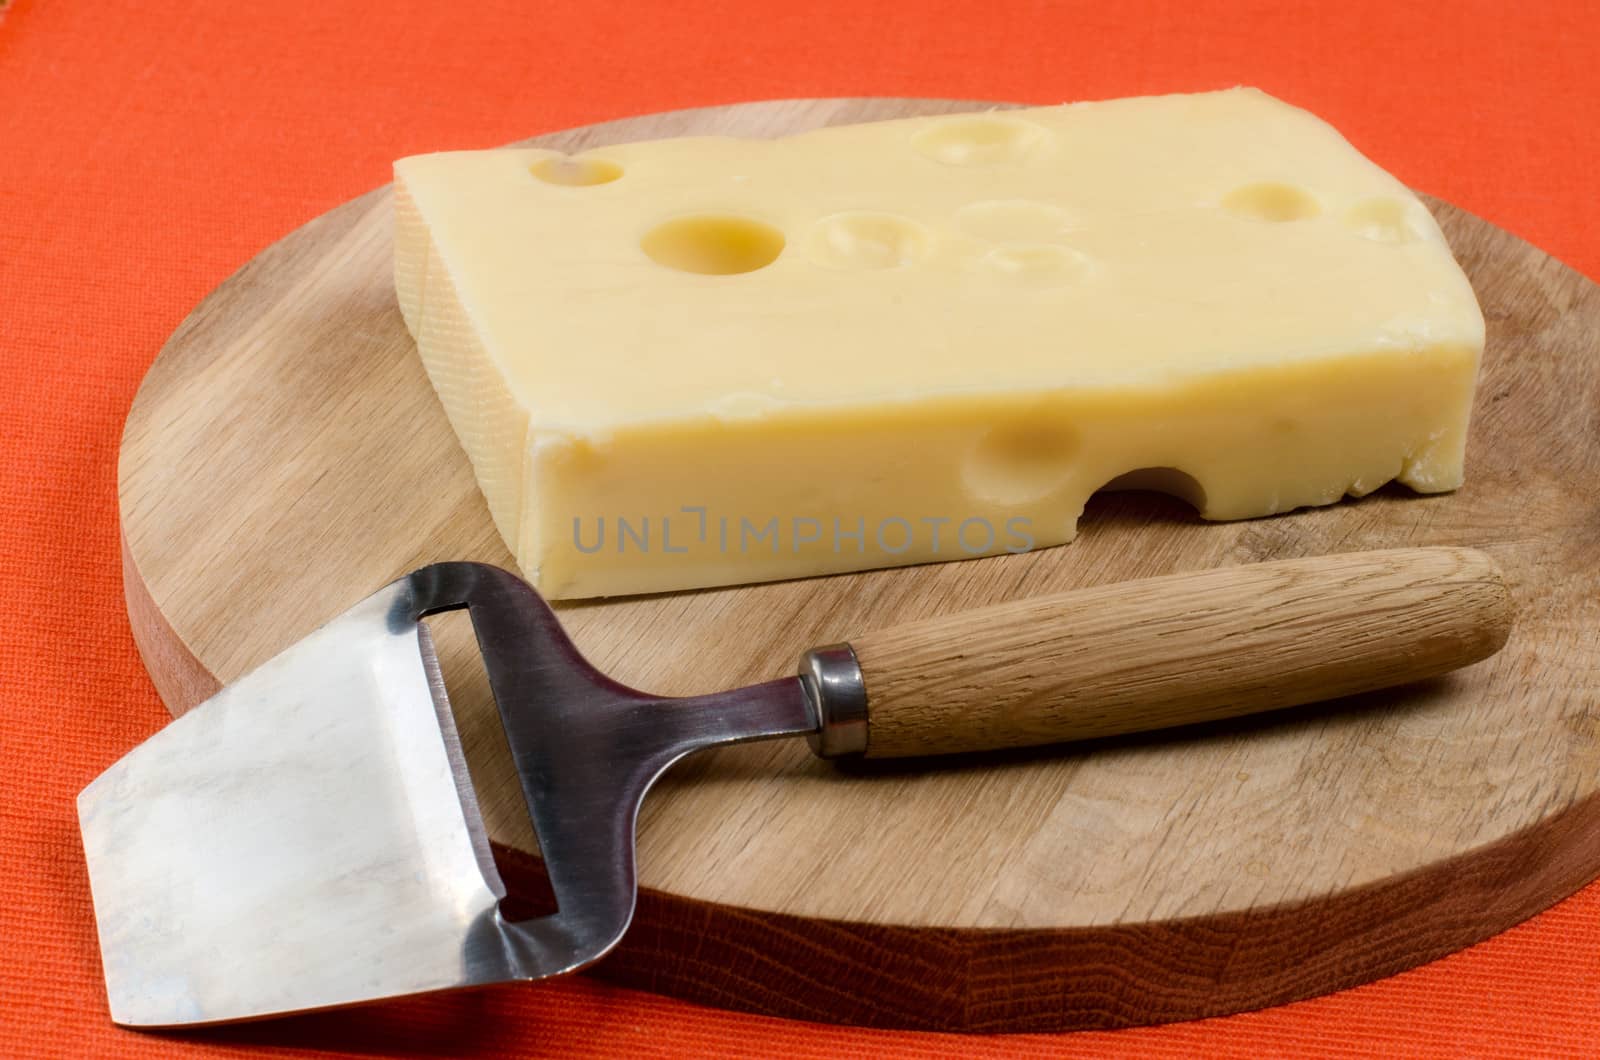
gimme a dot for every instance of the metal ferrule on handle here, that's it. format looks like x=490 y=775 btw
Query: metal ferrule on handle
x=832 y=680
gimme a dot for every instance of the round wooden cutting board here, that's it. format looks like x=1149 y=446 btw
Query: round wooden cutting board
x=286 y=456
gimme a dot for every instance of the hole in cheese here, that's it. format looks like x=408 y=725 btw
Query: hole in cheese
x=1271 y=202
x=1039 y=264
x=1168 y=480
x=575 y=172
x=978 y=140
x=1022 y=461
x=861 y=239
x=1381 y=220
x=713 y=244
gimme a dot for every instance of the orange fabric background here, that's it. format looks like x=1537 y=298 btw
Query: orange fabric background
x=148 y=151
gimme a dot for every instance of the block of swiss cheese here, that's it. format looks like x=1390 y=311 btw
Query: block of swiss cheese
x=707 y=361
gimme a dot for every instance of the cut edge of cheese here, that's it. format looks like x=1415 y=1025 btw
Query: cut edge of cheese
x=490 y=422
x=935 y=481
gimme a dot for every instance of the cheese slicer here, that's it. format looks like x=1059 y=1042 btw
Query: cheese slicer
x=309 y=837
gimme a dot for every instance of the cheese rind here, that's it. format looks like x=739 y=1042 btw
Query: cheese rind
x=733 y=361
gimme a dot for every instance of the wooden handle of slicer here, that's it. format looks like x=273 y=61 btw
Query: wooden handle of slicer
x=1173 y=650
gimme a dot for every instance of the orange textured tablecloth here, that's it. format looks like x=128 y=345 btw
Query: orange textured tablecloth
x=147 y=151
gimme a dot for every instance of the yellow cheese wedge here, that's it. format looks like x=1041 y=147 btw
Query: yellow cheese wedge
x=708 y=361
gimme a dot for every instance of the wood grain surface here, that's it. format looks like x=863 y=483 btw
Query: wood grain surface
x=285 y=456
